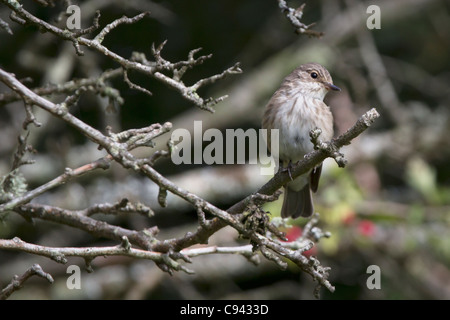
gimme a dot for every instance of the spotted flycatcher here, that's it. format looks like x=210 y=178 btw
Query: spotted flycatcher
x=295 y=109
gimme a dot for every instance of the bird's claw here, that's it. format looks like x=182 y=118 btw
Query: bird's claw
x=288 y=169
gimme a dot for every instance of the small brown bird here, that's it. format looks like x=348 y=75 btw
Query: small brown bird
x=295 y=109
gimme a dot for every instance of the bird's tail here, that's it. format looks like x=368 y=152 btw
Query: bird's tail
x=297 y=203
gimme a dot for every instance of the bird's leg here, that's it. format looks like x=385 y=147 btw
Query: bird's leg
x=288 y=168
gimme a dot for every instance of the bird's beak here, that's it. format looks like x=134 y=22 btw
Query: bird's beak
x=331 y=86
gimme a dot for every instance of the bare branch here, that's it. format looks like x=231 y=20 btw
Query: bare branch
x=80 y=220
x=93 y=84
x=95 y=26
x=151 y=69
x=233 y=70
x=294 y=16
x=17 y=282
x=124 y=20
x=5 y=26
x=246 y=251
x=123 y=206
x=60 y=254
x=133 y=85
x=102 y=163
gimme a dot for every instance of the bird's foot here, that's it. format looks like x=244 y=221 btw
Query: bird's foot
x=288 y=169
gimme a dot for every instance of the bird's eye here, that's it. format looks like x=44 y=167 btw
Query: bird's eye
x=314 y=75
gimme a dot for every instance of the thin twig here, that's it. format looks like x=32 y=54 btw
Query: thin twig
x=152 y=70
x=17 y=282
x=60 y=254
x=294 y=16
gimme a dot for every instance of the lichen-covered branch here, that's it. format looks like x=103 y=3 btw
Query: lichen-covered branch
x=153 y=69
x=90 y=253
x=294 y=16
x=93 y=84
x=17 y=282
